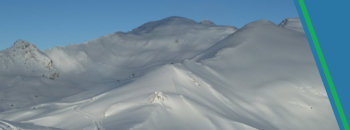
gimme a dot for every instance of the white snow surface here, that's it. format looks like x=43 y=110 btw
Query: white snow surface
x=173 y=73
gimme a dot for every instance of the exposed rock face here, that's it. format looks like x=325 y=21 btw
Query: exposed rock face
x=208 y=22
x=24 y=58
x=293 y=24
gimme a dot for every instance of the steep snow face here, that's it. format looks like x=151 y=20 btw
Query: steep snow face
x=175 y=74
x=293 y=24
x=273 y=71
x=124 y=55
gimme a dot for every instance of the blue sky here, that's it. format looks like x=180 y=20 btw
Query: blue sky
x=49 y=23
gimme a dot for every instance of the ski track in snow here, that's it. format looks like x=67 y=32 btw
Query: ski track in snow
x=97 y=122
x=6 y=126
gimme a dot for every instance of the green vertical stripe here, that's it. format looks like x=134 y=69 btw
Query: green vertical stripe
x=324 y=65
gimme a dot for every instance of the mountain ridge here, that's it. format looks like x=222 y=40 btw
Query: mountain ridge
x=176 y=73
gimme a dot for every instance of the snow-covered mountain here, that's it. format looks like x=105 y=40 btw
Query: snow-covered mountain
x=121 y=55
x=174 y=73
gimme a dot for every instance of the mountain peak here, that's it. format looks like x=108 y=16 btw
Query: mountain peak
x=21 y=44
x=27 y=59
x=177 y=19
x=259 y=23
x=172 y=20
x=207 y=22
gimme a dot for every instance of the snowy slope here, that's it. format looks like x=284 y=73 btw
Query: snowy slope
x=173 y=99
x=176 y=73
x=277 y=67
x=8 y=125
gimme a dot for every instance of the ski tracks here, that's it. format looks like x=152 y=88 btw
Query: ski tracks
x=7 y=126
x=97 y=122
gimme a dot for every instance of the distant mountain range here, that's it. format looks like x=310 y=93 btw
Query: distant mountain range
x=173 y=73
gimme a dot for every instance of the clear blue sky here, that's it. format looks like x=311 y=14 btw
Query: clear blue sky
x=49 y=23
